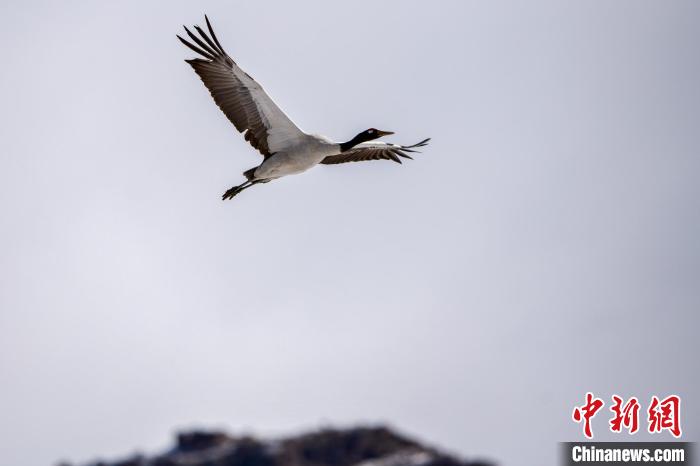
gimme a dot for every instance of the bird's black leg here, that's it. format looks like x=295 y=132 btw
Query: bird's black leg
x=237 y=189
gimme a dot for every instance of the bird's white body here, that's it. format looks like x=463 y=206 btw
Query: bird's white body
x=309 y=151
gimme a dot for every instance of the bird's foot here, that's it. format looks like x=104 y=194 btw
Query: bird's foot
x=231 y=193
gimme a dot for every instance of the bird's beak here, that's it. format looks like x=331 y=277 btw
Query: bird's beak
x=384 y=133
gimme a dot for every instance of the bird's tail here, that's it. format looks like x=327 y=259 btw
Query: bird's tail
x=250 y=174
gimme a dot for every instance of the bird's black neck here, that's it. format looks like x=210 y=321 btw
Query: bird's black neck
x=346 y=146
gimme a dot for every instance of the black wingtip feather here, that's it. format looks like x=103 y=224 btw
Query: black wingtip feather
x=195 y=48
x=213 y=36
x=208 y=41
x=392 y=156
x=198 y=41
x=424 y=142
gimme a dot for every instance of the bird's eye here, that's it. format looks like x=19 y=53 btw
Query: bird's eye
x=370 y=131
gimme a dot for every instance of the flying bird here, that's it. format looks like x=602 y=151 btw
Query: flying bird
x=286 y=149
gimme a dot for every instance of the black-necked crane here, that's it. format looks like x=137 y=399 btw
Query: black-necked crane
x=286 y=149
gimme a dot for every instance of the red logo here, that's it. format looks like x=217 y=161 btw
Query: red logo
x=626 y=416
x=586 y=413
x=665 y=415
x=662 y=414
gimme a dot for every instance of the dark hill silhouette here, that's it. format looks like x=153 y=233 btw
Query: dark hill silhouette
x=362 y=446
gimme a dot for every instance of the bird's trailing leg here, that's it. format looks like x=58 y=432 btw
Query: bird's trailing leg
x=237 y=189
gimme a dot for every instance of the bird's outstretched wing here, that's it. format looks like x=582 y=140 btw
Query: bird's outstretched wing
x=374 y=151
x=242 y=100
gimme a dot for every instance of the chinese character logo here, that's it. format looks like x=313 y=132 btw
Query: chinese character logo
x=665 y=415
x=661 y=415
x=626 y=416
x=586 y=412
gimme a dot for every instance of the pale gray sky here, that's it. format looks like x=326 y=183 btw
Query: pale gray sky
x=544 y=245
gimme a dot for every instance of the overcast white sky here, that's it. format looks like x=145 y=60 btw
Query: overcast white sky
x=544 y=245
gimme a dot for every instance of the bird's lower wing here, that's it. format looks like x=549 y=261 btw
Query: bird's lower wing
x=374 y=151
